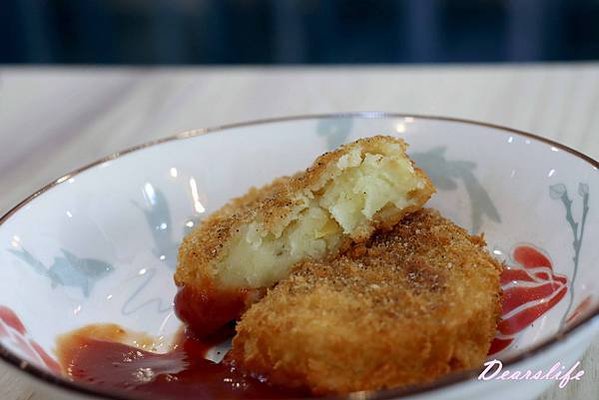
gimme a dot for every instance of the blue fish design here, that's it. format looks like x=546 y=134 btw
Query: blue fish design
x=445 y=174
x=158 y=218
x=68 y=269
x=335 y=130
x=159 y=221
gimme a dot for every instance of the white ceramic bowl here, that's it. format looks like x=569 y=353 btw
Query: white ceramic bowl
x=99 y=244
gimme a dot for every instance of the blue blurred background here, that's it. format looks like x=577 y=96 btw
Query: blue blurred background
x=296 y=31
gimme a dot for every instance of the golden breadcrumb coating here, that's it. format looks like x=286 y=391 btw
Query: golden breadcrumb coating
x=406 y=307
x=253 y=241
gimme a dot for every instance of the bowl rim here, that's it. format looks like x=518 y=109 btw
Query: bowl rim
x=450 y=380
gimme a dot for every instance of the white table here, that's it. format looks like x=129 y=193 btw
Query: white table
x=55 y=120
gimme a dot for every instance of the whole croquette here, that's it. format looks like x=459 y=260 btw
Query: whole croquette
x=406 y=307
x=253 y=241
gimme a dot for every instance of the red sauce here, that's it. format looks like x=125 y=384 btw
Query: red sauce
x=206 y=309
x=96 y=356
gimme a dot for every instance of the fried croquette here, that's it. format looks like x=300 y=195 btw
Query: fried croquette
x=405 y=307
x=253 y=241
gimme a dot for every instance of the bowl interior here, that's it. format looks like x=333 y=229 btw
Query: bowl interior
x=101 y=245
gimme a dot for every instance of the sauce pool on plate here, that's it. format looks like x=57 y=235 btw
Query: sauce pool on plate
x=108 y=357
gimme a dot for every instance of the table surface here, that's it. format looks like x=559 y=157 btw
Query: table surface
x=54 y=120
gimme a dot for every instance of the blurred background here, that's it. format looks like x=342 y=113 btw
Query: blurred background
x=296 y=31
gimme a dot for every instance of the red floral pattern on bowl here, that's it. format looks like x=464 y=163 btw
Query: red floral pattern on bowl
x=14 y=335
x=530 y=289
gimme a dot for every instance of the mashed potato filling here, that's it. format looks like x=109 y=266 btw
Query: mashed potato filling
x=363 y=186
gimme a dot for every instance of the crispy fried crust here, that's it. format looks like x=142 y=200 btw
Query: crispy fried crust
x=410 y=305
x=204 y=295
